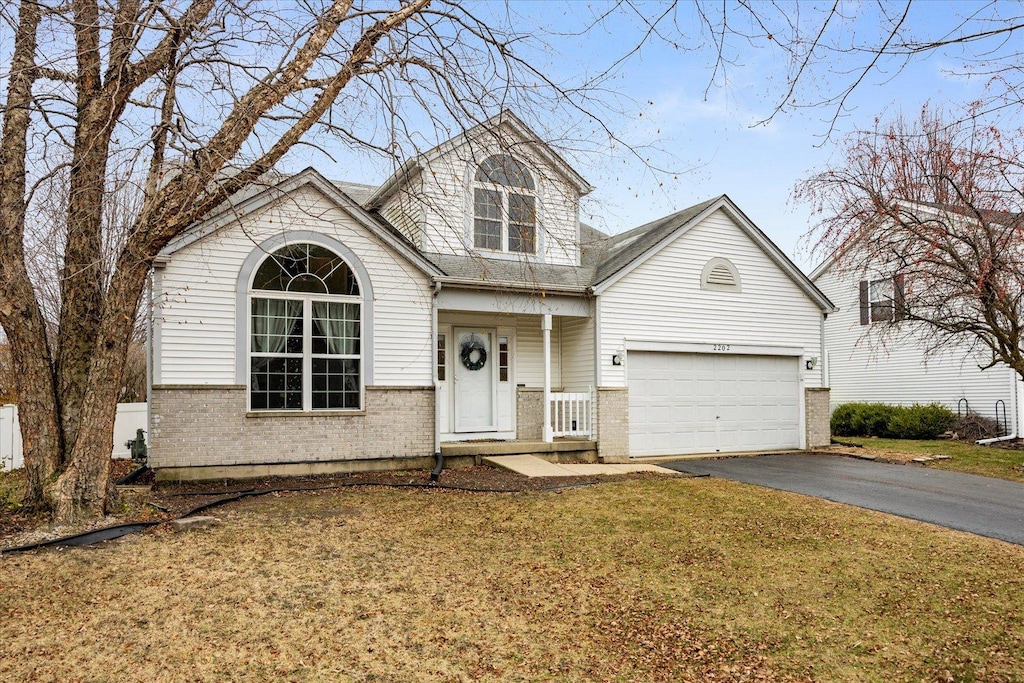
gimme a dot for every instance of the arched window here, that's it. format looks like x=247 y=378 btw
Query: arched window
x=305 y=336
x=504 y=206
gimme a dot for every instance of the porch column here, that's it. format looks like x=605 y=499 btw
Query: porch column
x=545 y=325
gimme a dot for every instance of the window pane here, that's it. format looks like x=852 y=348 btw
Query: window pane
x=305 y=268
x=335 y=383
x=276 y=326
x=502 y=169
x=335 y=328
x=502 y=359
x=522 y=224
x=275 y=383
x=440 y=357
x=487 y=223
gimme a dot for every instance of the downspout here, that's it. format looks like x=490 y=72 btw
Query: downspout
x=435 y=474
x=149 y=361
x=1016 y=417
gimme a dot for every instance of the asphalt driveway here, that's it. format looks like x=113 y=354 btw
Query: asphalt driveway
x=980 y=505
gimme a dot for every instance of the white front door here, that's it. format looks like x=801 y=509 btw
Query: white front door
x=474 y=365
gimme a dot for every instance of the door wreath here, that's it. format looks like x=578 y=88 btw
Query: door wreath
x=473 y=353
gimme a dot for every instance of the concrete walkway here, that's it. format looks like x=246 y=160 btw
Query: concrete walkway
x=532 y=466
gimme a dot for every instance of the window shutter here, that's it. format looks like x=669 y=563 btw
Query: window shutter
x=899 y=298
x=865 y=307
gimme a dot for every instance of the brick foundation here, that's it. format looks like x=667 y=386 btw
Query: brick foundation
x=204 y=426
x=613 y=424
x=819 y=433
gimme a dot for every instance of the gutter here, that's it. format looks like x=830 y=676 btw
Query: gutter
x=505 y=285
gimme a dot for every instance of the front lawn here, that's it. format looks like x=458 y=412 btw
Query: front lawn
x=990 y=461
x=659 y=579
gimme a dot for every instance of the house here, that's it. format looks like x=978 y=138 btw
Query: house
x=868 y=361
x=313 y=326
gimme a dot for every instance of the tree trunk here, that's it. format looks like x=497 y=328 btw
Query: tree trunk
x=84 y=489
x=38 y=411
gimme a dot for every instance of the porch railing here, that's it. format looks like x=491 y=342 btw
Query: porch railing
x=572 y=413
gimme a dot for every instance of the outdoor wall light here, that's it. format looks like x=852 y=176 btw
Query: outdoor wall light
x=811 y=363
x=616 y=359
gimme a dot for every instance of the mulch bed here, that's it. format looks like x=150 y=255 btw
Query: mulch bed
x=145 y=500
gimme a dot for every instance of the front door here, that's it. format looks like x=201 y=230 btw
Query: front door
x=474 y=380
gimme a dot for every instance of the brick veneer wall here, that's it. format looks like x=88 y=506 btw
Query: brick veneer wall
x=196 y=426
x=819 y=432
x=529 y=414
x=613 y=424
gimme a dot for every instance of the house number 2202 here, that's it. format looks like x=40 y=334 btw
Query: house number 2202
x=719 y=347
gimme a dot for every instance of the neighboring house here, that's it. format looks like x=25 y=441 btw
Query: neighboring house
x=319 y=326
x=867 y=361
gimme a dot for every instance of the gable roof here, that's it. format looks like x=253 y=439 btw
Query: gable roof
x=503 y=124
x=622 y=253
x=253 y=199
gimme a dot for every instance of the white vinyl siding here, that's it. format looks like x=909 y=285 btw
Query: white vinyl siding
x=577 y=353
x=865 y=364
x=686 y=403
x=661 y=300
x=441 y=199
x=195 y=305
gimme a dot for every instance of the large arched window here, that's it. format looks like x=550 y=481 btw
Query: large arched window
x=305 y=337
x=504 y=206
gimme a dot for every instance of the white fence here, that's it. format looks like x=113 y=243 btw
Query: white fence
x=130 y=417
x=572 y=413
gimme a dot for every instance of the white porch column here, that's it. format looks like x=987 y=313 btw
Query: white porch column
x=546 y=327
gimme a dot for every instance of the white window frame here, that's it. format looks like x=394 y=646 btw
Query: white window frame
x=883 y=302
x=505 y=192
x=307 y=354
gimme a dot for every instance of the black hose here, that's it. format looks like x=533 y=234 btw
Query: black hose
x=132 y=476
x=118 y=530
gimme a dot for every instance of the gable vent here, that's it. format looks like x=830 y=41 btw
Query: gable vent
x=721 y=275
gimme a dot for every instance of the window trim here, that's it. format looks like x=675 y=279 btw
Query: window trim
x=505 y=192
x=243 y=293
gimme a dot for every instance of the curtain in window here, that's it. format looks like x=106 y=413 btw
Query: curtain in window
x=340 y=324
x=272 y=322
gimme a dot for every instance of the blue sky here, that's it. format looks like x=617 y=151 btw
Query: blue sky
x=709 y=139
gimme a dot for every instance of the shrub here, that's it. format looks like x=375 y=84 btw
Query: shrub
x=921 y=422
x=894 y=422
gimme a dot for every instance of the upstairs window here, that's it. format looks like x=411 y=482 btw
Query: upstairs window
x=882 y=300
x=305 y=332
x=504 y=206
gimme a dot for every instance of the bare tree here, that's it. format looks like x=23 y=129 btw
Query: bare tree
x=824 y=52
x=941 y=206
x=181 y=104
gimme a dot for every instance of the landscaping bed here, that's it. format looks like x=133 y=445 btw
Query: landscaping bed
x=166 y=500
x=1004 y=460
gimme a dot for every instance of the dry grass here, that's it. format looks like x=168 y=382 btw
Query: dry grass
x=670 y=579
x=989 y=461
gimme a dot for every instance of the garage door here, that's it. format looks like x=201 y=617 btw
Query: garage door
x=682 y=403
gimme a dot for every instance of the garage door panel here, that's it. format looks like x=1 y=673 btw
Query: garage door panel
x=683 y=403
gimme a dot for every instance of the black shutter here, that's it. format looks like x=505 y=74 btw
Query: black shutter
x=899 y=298
x=865 y=307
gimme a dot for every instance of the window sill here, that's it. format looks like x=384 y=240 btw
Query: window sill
x=305 y=413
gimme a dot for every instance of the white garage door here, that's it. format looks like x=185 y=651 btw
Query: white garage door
x=682 y=403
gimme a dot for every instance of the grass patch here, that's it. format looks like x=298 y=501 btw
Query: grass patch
x=12 y=487
x=670 y=579
x=990 y=461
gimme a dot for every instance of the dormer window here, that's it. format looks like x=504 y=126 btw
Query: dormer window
x=504 y=206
